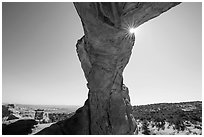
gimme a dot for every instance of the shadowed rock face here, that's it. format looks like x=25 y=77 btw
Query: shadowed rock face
x=104 y=51
x=20 y=127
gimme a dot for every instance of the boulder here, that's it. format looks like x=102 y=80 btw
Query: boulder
x=20 y=127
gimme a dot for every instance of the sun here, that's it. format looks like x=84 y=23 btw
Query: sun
x=132 y=30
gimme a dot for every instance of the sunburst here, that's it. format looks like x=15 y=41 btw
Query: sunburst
x=130 y=29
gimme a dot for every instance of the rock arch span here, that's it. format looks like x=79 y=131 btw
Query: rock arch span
x=104 y=51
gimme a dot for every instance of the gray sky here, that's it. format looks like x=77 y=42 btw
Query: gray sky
x=40 y=64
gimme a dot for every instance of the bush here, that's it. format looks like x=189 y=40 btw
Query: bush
x=145 y=128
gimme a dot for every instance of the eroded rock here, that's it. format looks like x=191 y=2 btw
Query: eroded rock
x=104 y=51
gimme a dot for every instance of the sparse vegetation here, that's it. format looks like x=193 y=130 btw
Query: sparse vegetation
x=145 y=128
x=179 y=115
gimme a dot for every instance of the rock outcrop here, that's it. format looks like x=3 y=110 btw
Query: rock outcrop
x=20 y=127
x=104 y=51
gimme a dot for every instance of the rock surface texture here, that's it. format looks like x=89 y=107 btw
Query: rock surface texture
x=104 y=51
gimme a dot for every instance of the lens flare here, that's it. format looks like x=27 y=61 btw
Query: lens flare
x=129 y=28
x=132 y=30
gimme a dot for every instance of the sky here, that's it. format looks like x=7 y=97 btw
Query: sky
x=40 y=63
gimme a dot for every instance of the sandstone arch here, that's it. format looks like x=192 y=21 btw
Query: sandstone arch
x=104 y=51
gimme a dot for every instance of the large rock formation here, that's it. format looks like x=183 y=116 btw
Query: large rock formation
x=104 y=51
x=20 y=127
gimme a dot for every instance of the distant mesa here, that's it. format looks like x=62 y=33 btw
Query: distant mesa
x=41 y=116
x=11 y=105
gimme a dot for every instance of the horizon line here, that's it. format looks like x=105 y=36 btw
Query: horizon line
x=83 y=104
